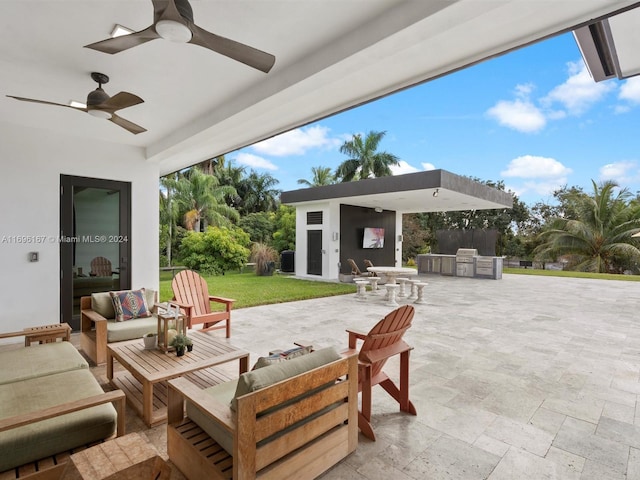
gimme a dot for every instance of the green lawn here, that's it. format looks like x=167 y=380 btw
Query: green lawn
x=248 y=289
x=566 y=273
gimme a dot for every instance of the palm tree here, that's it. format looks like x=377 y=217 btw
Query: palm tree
x=321 y=176
x=229 y=174
x=364 y=159
x=599 y=239
x=203 y=199
x=168 y=209
x=258 y=194
x=210 y=166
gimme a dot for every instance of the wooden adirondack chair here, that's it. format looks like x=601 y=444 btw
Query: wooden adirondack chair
x=382 y=342
x=191 y=293
x=101 y=267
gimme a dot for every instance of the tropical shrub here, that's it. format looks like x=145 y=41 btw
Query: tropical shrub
x=216 y=250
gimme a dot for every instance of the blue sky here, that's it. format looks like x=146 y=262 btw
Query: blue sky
x=533 y=118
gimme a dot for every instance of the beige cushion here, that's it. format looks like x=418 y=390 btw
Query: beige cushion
x=263 y=377
x=43 y=439
x=134 y=328
x=223 y=394
x=39 y=360
x=101 y=303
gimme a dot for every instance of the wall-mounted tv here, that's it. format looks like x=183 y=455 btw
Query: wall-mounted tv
x=373 y=238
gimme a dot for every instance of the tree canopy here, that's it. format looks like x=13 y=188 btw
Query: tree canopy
x=364 y=158
x=596 y=233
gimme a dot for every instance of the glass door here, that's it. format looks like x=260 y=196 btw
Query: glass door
x=94 y=241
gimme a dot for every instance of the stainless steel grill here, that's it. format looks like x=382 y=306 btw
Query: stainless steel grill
x=465 y=258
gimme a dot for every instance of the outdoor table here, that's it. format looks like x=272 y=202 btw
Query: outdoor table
x=392 y=273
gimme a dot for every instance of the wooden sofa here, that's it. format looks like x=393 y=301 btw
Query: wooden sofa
x=297 y=427
x=50 y=402
x=98 y=326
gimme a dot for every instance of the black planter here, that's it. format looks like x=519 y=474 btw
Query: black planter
x=179 y=351
x=189 y=348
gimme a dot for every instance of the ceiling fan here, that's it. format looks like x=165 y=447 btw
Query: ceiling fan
x=173 y=20
x=101 y=105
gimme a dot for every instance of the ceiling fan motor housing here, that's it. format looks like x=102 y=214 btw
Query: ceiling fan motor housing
x=97 y=97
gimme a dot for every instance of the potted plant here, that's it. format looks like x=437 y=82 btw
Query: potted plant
x=150 y=340
x=179 y=342
x=265 y=257
x=189 y=344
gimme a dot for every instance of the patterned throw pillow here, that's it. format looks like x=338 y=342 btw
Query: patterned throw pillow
x=130 y=304
x=281 y=357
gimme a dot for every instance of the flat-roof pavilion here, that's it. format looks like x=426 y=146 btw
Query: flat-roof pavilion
x=430 y=191
x=330 y=220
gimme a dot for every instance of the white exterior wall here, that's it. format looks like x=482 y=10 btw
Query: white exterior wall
x=32 y=161
x=396 y=240
x=330 y=224
x=330 y=239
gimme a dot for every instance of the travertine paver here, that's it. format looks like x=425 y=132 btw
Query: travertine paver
x=519 y=378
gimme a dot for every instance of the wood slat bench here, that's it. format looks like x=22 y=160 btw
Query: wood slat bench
x=296 y=428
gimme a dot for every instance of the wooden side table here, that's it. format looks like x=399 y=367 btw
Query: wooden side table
x=125 y=458
x=47 y=334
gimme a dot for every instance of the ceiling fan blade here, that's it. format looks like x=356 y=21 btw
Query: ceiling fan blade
x=168 y=10
x=230 y=48
x=127 y=125
x=23 y=99
x=124 y=42
x=119 y=101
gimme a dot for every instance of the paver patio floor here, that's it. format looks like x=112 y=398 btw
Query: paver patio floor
x=520 y=378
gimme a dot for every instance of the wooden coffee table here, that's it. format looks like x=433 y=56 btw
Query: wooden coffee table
x=146 y=371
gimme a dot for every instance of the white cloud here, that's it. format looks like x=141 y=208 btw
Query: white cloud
x=630 y=90
x=573 y=97
x=254 y=161
x=621 y=172
x=428 y=166
x=403 y=168
x=531 y=166
x=579 y=92
x=519 y=114
x=297 y=142
x=540 y=175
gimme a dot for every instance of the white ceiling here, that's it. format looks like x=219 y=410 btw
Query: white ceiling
x=330 y=56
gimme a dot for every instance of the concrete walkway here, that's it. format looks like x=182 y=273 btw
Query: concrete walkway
x=519 y=378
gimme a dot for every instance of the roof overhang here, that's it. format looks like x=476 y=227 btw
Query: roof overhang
x=331 y=56
x=610 y=47
x=431 y=191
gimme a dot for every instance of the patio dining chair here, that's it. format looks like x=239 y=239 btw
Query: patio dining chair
x=354 y=268
x=382 y=342
x=368 y=263
x=191 y=294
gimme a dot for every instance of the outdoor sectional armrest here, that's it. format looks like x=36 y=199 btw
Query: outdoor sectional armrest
x=95 y=317
x=117 y=397
x=181 y=389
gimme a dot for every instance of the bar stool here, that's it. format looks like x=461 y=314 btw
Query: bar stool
x=361 y=285
x=391 y=294
x=402 y=282
x=414 y=290
x=420 y=286
x=374 y=285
